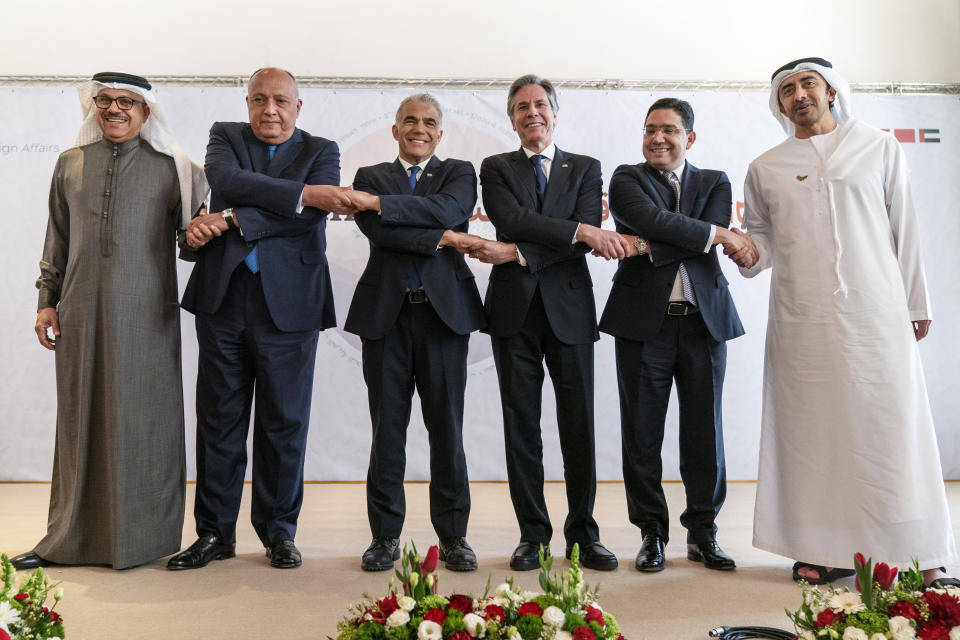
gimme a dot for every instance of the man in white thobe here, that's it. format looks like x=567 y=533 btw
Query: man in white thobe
x=848 y=452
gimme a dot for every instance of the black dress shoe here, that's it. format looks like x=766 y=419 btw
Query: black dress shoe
x=284 y=555
x=208 y=547
x=711 y=555
x=29 y=561
x=594 y=555
x=650 y=556
x=380 y=555
x=527 y=555
x=457 y=555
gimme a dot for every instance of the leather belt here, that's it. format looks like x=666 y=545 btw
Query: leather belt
x=681 y=309
x=417 y=297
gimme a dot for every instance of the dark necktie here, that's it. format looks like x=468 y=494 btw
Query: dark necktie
x=537 y=161
x=252 y=260
x=685 y=285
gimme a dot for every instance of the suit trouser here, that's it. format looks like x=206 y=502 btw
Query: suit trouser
x=685 y=351
x=419 y=352
x=519 y=360
x=243 y=356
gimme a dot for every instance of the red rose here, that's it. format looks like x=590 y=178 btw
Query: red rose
x=827 y=617
x=529 y=609
x=460 y=635
x=859 y=560
x=20 y=597
x=4 y=635
x=388 y=605
x=584 y=633
x=462 y=603
x=904 y=609
x=884 y=575
x=494 y=612
x=620 y=637
x=435 y=615
x=594 y=615
x=934 y=630
x=429 y=564
x=943 y=608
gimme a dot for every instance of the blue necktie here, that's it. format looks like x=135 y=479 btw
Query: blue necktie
x=415 y=282
x=537 y=161
x=414 y=170
x=252 y=261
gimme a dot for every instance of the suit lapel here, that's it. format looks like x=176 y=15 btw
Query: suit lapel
x=559 y=182
x=401 y=179
x=427 y=180
x=525 y=174
x=256 y=150
x=689 y=189
x=660 y=186
x=285 y=154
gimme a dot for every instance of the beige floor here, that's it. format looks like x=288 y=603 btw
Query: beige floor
x=244 y=598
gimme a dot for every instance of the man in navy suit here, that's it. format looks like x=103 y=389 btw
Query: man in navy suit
x=671 y=313
x=414 y=308
x=546 y=206
x=261 y=292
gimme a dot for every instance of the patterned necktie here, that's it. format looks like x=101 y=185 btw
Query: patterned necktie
x=414 y=170
x=252 y=260
x=537 y=161
x=685 y=283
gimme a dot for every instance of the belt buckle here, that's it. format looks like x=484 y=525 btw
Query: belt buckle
x=677 y=309
x=417 y=297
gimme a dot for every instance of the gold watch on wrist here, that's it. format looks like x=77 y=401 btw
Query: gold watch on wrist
x=641 y=246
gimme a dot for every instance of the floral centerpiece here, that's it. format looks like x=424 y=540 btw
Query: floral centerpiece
x=23 y=614
x=879 y=609
x=566 y=609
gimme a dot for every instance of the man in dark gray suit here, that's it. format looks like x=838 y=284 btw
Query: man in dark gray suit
x=671 y=313
x=546 y=206
x=415 y=306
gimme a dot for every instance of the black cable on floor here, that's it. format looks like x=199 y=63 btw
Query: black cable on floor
x=748 y=633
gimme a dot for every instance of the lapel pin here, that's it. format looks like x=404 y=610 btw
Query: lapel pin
x=801 y=178
x=564 y=165
x=429 y=175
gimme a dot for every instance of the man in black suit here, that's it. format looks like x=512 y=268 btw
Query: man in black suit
x=671 y=313
x=414 y=308
x=546 y=206
x=261 y=292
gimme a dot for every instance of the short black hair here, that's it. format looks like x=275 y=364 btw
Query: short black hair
x=682 y=107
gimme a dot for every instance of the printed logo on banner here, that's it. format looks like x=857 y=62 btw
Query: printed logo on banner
x=915 y=135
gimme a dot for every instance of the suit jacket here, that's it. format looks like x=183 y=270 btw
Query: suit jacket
x=554 y=263
x=291 y=247
x=405 y=236
x=642 y=203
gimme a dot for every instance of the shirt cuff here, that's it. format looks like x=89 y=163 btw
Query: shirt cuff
x=713 y=234
x=520 y=258
x=300 y=203
x=575 y=232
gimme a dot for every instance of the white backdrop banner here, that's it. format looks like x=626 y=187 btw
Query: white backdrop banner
x=731 y=128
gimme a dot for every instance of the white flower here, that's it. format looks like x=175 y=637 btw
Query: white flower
x=554 y=616
x=566 y=635
x=8 y=615
x=955 y=633
x=475 y=625
x=406 y=603
x=878 y=636
x=429 y=630
x=398 y=618
x=515 y=636
x=852 y=633
x=846 y=602
x=806 y=634
x=901 y=628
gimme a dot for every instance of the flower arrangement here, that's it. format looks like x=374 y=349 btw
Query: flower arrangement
x=23 y=615
x=566 y=609
x=879 y=609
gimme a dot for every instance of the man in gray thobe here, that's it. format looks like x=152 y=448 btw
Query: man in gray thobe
x=108 y=307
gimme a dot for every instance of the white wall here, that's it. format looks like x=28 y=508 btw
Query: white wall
x=869 y=40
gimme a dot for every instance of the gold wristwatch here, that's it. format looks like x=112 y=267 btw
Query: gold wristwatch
x=641 y=245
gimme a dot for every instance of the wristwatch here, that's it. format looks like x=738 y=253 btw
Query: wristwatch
x=641 y=245
x=227 y=215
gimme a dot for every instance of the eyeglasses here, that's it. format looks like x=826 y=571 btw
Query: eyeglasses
x=123 y=102
x=667 y=130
